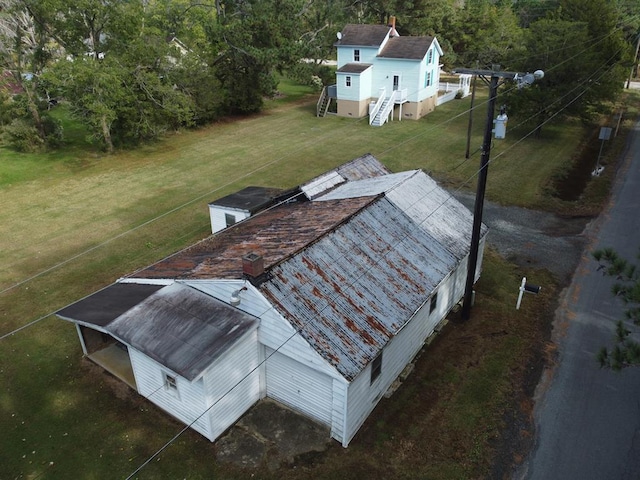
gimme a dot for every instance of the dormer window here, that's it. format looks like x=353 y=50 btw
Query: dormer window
x=356 y=55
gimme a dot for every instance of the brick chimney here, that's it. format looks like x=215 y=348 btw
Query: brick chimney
x=392 y=25
x=252 y=265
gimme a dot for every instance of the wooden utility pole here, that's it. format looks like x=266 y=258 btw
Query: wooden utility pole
x=492 y=77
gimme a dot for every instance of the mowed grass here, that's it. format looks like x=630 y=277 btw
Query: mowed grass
x=74 y=221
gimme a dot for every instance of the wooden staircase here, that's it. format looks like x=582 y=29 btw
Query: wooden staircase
x=323 y=103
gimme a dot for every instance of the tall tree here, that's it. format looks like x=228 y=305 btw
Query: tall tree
x=485 y=32
x=626 y=350
x=583 y=54
x=24 y=53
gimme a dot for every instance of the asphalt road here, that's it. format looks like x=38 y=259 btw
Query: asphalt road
x=587 y=419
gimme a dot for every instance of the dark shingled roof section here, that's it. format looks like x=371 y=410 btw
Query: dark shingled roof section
x=108 y=304
x=275 y=234
x=354 y=68
x=358 y=35
x=182 y=328
x=251 y=199
x=412 y=48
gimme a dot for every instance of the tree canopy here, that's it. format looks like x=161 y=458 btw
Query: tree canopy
x=133 y=69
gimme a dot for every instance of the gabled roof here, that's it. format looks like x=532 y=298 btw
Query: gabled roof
x=178 y=326
x=348 y=270
x=351 y=291
x=431 y=207
x=410 y=48
x=359 y=35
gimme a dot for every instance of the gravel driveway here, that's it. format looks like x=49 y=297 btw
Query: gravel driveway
x=533 y=238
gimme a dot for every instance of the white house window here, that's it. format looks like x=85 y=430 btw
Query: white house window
x=229 y=219
x=376 y=367
x=171 y=384
x=434 y=303
x=347 y=81
x=427 y=79
x=430 y=57
x=356 y=55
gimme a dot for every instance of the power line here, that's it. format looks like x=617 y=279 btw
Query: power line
x=334 y=294
x=248 y=174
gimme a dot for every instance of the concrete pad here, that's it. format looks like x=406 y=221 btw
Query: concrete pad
x=271 y=433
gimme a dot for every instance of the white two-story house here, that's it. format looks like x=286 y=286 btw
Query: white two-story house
x=382 y=74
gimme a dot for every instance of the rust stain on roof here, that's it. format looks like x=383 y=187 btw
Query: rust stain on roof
x=275 y=234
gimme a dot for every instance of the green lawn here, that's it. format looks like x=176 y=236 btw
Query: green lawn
x=75 y=220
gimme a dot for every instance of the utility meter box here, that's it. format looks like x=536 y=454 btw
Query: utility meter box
x=500 y=129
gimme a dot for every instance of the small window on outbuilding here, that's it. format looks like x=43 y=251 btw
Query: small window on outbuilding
x=434 y=303
x=347 y=81
x=171 y=384
x=229 y=219
x=376 y=367
x=356 y=55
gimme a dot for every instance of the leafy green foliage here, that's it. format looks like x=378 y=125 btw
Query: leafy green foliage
x=626 y=350
x=581 y=51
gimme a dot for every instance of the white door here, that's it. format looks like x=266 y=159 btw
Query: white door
x=299 y=387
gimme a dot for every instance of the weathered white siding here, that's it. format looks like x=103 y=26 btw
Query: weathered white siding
x=364 y=395
x=215 y=401
x=218 y=219
x=324 y=388
x=186 y=405
x=300 y=387
x=232 y=383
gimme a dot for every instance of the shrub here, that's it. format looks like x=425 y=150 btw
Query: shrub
x=22 y=136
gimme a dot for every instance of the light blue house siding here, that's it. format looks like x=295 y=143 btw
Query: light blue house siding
x=409 y=64
x=348 y=55
x=353 y=86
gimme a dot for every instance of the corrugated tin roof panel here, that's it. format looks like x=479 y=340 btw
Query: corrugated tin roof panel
x=351 y=291
x=368 y=186
x=433 y=209
x=437 y=212
x=366 y=166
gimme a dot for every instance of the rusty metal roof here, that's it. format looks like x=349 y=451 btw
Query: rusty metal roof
x=351 y=291
x=275 y=234
x=366 y=166
x=431 y=207
x=348 y=269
